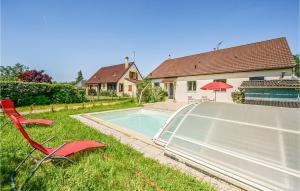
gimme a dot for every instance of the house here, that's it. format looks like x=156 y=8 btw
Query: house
x=183 y=77
x=121 y=79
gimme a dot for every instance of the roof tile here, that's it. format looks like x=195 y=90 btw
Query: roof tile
x=265 y=55
x=109 y=74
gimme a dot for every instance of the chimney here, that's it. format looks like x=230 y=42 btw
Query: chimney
x=126 y=62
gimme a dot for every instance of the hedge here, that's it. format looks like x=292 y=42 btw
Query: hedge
x=28 y=93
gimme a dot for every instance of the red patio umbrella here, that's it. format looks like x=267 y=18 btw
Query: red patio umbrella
x=216 y=86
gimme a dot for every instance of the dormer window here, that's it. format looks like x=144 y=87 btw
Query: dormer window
x=133 y=75
x=114 y=74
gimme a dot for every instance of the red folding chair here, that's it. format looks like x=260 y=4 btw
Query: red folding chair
x=10 y=110
x=60 y=152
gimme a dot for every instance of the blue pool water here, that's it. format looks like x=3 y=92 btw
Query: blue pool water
x=146 y=122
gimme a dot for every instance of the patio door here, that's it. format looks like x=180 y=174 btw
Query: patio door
x=171 y=91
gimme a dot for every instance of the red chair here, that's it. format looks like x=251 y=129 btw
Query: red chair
x=10 y=110
x=60 y=152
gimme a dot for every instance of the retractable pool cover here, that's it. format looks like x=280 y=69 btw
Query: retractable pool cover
x=258 y=146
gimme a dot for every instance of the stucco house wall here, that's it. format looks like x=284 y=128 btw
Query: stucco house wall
x=126 y=83
x=234 y=79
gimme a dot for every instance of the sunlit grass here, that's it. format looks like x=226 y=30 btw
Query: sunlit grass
x=119 y=167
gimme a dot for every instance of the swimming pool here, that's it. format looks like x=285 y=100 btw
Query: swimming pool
x=143 y=121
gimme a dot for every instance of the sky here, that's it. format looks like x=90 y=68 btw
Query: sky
x=65 y=36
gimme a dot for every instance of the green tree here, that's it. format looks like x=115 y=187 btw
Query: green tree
x=149 y=92
x=297 y=67
x=12 y=72
x=79 y=77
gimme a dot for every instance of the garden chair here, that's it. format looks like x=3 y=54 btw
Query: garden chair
x=9 y=109
x=56 y=153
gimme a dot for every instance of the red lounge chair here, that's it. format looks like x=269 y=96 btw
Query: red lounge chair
x=60 y=152
x=10 y=110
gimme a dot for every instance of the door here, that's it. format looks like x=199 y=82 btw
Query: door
x=171 y=91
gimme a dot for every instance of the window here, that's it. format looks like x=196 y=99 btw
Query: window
x=282 y=75
x=121 y=87
x=257 y=78
x=191 y=85
x=221 y=80
x=111 y=86
x=133 y=75
x=156 y=84
x=129 y=88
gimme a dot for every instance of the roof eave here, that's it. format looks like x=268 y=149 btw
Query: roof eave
x=285 y=67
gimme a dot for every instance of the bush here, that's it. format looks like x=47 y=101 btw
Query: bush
x=125 y=95
x=27 y=93
x=151 y=93
x=108 y=93
x=35 y=76
x=92 y=92
x=42 y=100
x=238 y=96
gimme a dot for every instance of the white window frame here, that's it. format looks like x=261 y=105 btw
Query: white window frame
x=194 y=86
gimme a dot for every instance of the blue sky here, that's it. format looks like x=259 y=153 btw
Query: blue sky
x=64 y=36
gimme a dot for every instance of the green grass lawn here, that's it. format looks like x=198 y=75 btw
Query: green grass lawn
x=89 y=97
x=119 y=167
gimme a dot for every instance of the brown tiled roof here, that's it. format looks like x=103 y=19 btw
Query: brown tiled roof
x=109 y=74
x=271 y=84
x=265 y=55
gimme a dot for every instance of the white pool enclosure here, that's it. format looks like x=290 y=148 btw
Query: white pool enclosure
x=252 y=146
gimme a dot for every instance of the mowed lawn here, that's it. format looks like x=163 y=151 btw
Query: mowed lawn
x=119 y=167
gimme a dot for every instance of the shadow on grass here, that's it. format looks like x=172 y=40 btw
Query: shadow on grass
x=37 y=182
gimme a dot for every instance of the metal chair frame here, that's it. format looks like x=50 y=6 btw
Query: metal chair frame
x=39 y=163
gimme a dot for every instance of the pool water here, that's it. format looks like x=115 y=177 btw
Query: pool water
x=146 y=122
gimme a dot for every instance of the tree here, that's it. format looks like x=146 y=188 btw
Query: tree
x=35 y=76
x=149 y=92
x=79 y=77
x=12 y=72
x=297 y=67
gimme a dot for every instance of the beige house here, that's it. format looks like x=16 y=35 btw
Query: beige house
x=183 y=77
x=121 y=79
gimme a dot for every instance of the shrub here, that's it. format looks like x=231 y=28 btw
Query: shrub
x=42 y=100
x=125 y=95
x=27 y=93
x=238 y=96
x=151 y=93
x=92 y=92
x=35 y=76
x=108 y=93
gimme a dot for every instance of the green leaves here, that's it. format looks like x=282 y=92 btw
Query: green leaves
x=297 y=66
x=151 y=93
x=27 y=93
x=11 y=72
x=79 y=77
